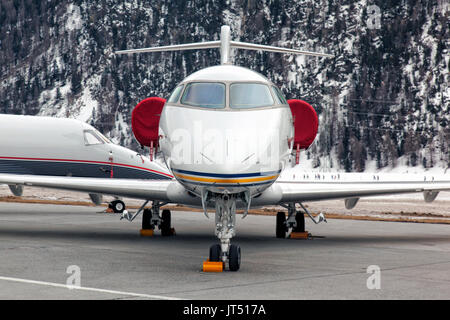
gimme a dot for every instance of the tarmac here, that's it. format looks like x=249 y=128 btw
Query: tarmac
x=45 y=247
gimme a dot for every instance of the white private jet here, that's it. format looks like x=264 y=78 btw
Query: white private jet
x=225 y=134
x=49 y=146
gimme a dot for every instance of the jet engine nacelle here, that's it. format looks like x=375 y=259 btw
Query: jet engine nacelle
x=145 y=122
x=306 y=124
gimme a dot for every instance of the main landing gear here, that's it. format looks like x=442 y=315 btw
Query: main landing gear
x=151 y=219
x=295 y=222
x=220 y=254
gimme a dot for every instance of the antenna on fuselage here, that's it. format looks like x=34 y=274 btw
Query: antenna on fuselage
x=225 y=44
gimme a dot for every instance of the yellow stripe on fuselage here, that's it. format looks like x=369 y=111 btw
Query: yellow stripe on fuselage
x=231 y=180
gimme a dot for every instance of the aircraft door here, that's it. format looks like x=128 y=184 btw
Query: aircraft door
x=100 y=152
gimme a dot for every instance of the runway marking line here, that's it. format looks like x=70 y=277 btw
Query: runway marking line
x=60 y=285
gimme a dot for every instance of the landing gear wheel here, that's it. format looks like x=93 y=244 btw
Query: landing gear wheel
x=300 y=219
x=166 y=229
x=234 y=258
x=215 y=253
x=281 y=225
x=118 y=206
x=146 y=219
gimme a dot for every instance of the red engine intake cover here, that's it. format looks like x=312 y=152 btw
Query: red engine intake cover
x=145 y=120
x=306 y=123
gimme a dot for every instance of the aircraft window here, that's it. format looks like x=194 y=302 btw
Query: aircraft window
x=277 y=98
x=249 y=95
x=105 y=139
x=204 y=94
x=279 y=95
x=175 y=96
x=91 y=138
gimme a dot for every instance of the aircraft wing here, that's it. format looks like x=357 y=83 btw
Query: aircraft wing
x=287 y=191
x=280 y=192
x=134 y=188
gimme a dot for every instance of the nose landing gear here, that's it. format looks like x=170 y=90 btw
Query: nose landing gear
x=220 y=254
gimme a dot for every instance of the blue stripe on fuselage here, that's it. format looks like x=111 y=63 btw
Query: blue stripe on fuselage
x=74 y=169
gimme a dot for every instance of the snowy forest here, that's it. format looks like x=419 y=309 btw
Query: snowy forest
x=383 y=100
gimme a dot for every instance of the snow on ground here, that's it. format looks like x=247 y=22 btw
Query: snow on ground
x=390 y=173
x=411 y=204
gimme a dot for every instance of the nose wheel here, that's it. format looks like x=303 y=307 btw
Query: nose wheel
x=215 y=253
x=220 y=254
x=118 y=206
x=234 y=256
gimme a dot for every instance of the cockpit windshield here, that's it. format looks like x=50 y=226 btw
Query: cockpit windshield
x=93 y=137
x=204 y=94
x=175 y=96
x=278 y=95
x=250 y=95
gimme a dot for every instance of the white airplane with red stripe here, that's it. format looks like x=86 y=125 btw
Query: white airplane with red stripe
x=47 y=146
x=225 y=134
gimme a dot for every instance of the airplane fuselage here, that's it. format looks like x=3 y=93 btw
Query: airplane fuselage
x=67 y=147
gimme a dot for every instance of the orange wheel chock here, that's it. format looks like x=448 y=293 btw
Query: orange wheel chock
x=146 y=232
x=213 y=266
x=300 y=235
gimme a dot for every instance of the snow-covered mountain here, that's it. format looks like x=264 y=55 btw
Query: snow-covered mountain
x=383 y=100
